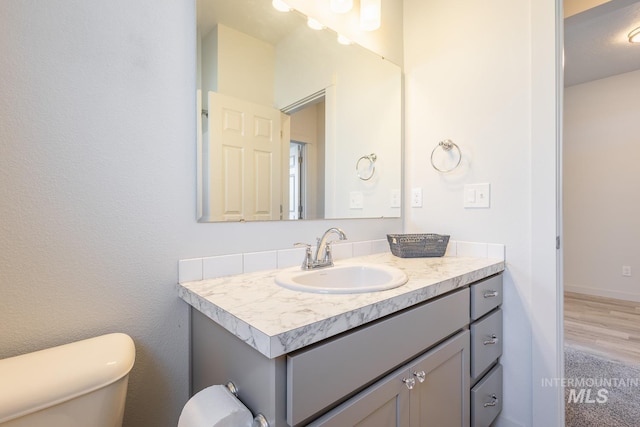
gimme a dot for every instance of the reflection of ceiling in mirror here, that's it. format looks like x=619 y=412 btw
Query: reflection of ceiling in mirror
x=256 y=18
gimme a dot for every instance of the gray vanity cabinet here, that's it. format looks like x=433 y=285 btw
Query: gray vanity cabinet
x=411 y=368
x=429 y=391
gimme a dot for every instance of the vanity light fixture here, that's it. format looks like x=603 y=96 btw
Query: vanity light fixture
x=370 y=12
x=280 y=6
x=341 y=6
x=634 y=35
x=314 y=24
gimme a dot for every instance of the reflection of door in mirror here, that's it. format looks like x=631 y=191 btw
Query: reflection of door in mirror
x=308 y=131
x=244 y=156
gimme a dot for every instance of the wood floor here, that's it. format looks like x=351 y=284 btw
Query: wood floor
x=605 y=326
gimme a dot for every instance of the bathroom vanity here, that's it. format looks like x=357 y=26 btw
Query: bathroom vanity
x=423 y=354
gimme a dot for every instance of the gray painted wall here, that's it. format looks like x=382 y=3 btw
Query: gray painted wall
x=97 y=186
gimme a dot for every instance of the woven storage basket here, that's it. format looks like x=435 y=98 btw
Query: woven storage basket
x=418 y=245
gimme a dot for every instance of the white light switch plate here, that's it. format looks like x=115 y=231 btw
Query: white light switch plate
x=396 y=198
x=477 y=195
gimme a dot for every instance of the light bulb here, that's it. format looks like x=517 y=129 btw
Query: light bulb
x=634 y=35
x=312 y=23
x=370 y=11
x=344 y=40
x=280 y=6
x=341 y=6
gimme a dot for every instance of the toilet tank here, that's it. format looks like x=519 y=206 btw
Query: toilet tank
x=82 y=383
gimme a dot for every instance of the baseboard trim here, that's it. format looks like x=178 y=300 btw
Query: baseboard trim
x=606 y=293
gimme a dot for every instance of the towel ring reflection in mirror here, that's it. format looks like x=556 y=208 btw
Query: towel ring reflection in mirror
x=447 y=145
x=367 y=174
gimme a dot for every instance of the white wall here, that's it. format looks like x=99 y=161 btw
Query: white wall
x=483 y=75
x=246 y=66
x=97 y=186
x=358 y=122
x=601 y=186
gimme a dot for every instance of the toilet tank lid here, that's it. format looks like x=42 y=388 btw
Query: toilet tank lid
x=34 y=381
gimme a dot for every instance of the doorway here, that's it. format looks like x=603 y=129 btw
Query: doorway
x=600 y=194
x=306 y=184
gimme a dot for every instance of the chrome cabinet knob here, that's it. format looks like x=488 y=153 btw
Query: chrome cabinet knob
x=493 y=402
x=420 y=376
x=409 y=382
x=493 y=340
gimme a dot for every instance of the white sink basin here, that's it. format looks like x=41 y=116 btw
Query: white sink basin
x=342 y=279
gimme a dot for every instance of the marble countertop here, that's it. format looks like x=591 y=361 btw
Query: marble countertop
x=276 y=321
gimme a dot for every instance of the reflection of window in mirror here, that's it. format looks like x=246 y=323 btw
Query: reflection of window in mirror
x=296 y=157
x=306 y=185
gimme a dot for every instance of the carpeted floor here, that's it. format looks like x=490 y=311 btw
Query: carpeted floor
x=600 y=392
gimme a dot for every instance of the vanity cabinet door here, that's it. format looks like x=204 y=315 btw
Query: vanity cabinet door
x=440 y=396
x=384 y=404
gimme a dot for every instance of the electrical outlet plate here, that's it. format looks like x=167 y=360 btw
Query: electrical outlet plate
x=477 y=195
x=416 y=197
x=626 y=270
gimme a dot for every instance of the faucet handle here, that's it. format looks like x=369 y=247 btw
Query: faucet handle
x=328 y=257
x=307 y=264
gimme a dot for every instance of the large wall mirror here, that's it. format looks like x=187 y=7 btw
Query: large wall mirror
x=292 y=124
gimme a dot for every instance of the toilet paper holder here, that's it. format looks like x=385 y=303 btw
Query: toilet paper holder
x=259 y=420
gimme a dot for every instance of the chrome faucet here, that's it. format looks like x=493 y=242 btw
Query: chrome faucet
x=324 y=247
x=323 y=257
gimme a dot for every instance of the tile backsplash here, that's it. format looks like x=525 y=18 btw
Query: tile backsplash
x=227 y=265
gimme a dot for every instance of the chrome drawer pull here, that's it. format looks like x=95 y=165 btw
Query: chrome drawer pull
x=492 y=403
x=260 y=421
x=493 y=340
x=409 y=382
x=490 y=294
x=420 y=376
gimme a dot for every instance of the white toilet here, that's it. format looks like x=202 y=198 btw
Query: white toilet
x=79 y=384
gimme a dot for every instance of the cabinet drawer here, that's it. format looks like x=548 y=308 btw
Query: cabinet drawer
x=486 y=343
x=321 y=375
x=485 y=296
x=486 y=398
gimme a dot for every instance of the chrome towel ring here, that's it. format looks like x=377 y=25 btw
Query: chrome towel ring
x=371 y=159
x=446 y=145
